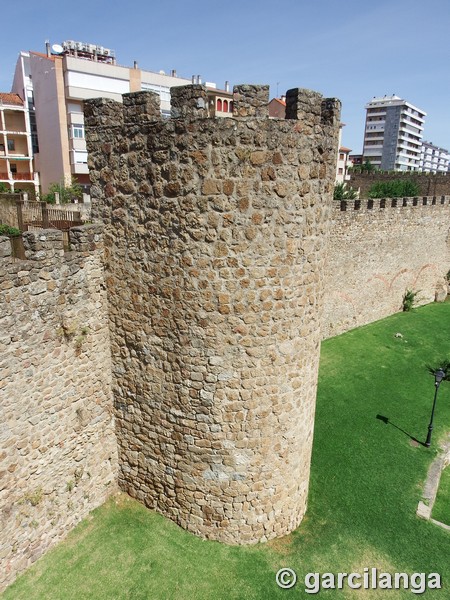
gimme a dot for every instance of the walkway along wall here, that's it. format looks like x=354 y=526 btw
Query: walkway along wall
x=58 y=453
x=215 y=246
x=379 y=249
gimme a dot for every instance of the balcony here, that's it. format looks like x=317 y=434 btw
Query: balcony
x=379 y=137
x=17 y=154
x=411 y=115
x=13 y=132
x=411 y=124
x=407 y=137
x=408 y=144
x=22 y=176
x=376 y=112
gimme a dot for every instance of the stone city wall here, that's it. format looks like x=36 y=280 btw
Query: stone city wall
x=224 y=257
x=58 y=453
x=379 y=249
x=215 y=245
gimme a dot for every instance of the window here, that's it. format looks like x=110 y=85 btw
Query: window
x=35 y=143
x=219 y=104
x=77 y=130
x=341 y=171
x=13 y=168
x=11 y=145
x=341 y=156
x=162 y=90
x=72 y=107
x=80 y=157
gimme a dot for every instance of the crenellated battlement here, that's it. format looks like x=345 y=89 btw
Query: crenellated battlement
x=191 y=102
x=380 y=248
x=47 y=245
x=386 y=203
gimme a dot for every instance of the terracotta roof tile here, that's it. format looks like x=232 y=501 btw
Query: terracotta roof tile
x=42 y=55
x=8 y=98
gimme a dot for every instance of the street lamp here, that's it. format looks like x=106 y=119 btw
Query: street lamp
x=439 y=375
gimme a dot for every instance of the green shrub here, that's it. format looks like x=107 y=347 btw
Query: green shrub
x=342 y=192
x=409 y=300
x=8 y=230
x=67 y=192
x=394 y=189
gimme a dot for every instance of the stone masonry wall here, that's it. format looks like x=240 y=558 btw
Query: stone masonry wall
x=215 y=244
x=58 y=454
x=377 y=251
x=8 y=209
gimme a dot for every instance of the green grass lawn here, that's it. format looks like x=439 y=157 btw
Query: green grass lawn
x=368 y=469
x=441 y=508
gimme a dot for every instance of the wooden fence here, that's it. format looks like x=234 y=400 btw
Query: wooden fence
x=39 y=215
x=33 y=216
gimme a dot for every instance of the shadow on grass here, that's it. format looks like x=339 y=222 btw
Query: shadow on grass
x=388 y=422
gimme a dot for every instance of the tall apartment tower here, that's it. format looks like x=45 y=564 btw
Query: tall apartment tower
x=393 y=134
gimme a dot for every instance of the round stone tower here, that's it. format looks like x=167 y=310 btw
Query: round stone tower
x=215 y=232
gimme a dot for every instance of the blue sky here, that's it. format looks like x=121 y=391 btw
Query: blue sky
x=350 y=49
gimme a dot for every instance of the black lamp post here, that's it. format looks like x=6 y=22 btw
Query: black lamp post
x=439 y=375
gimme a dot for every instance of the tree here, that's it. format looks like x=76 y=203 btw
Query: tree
x=67 y=193
x=342 y=192
x=367 y=167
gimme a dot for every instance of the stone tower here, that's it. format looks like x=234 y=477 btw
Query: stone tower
x=215 y=237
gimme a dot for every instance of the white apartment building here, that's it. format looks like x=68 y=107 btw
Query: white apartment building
x=58 y=81
x=393 y=134
x=434 y=159
x=16 y=151
x=343 y=164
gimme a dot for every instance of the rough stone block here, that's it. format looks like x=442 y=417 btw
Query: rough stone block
x=189 y=101
x=251 y=101
x=141 y=107
x=5 y=247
